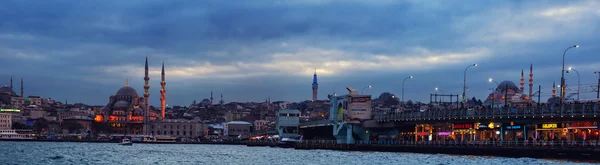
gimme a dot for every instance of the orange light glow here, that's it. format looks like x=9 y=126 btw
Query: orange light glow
x=98 y=118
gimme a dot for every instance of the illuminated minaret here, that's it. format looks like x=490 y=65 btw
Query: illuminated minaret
x=522 y=81
x=530 y=81
x=315 y=86
x=553 y=89
x=163 y=99
x=146 y=98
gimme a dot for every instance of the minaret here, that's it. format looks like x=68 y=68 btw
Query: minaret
x=222 y=101
x=22 y=88
x=163 y=98
x=530 y=81
x=315 y=86
x=146 y=96
x=211 y=97
x=553 y=89
x=522 y=81
x=11 y=86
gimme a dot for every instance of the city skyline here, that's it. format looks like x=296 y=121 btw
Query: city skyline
x=254 y=51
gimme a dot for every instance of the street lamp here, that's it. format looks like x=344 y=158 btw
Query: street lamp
x=562 y=77
x=438 y=89
x=492 y=80
x=578 y=80
x=363 y=90
x=465 y=83
x=409 y=77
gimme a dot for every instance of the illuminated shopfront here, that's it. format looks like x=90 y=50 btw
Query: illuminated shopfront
x=488 y=131
x=514 y=132
x=463 y=132
x=423 y=132
x=582 y=131
x=551 y=131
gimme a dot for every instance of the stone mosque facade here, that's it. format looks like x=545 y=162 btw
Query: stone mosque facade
x=127 y=112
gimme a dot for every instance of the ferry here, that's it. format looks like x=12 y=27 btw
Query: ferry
x=13 y=135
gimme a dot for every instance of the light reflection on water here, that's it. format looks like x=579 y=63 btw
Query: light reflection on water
x=111 y=153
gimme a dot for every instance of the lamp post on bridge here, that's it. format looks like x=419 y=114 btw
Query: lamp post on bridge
x=598 y=87
x=562 y=77
x=409 y=77
x=578 y=80
x=363 y=90
x=438 y=89
x=464 y=97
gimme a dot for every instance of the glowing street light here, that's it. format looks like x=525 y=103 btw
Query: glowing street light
x=409 y=77
x=465 y=83
x=578 y=80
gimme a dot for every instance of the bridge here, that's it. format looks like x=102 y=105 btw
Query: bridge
x=569 y=118
x=570 y=111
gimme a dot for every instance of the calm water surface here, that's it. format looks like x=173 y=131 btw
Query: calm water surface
x=111 y=153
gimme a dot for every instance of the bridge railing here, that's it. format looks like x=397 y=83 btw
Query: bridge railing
x=491 y=143
x=568 y=110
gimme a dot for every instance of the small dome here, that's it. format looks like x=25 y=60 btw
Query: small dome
x=504 y=85
x=121 y=105
x=127 y=91
x=7 y=91
x=105 y=109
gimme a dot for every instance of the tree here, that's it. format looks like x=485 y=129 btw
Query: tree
x=40 y=125
x=72 y=126
x=409 y=102
x=18 y=125
x=101 y=127
x=479 y=102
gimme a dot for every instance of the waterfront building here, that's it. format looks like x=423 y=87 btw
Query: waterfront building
x=288 y=122
x=178 y=128
x=67 y=114
x=236 y=128
x=84 y=121
x=261 y=124
x=5 y=121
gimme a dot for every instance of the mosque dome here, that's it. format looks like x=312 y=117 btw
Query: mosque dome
x=121 y=105
x=504 y=85
x=138 y=111
x=127 y=91
x=7 y=91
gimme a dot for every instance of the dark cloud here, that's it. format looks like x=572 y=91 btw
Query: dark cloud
x=61 y=46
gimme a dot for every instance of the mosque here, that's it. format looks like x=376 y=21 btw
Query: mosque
x=507 y=91
x=8 y=95
x=128 y=113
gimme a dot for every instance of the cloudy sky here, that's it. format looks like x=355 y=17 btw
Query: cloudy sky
x=83 y=51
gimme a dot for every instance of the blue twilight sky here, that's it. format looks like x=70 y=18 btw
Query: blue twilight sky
x=83 y=51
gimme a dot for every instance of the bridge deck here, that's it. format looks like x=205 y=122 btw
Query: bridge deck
x=568 y=111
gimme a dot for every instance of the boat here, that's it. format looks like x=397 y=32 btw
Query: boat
x=289 y=142
x=126 y=142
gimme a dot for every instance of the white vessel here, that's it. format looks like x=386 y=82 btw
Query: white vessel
x=12 y=134
x=126 y=142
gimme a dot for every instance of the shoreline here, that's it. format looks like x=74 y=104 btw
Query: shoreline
x=99 y=141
